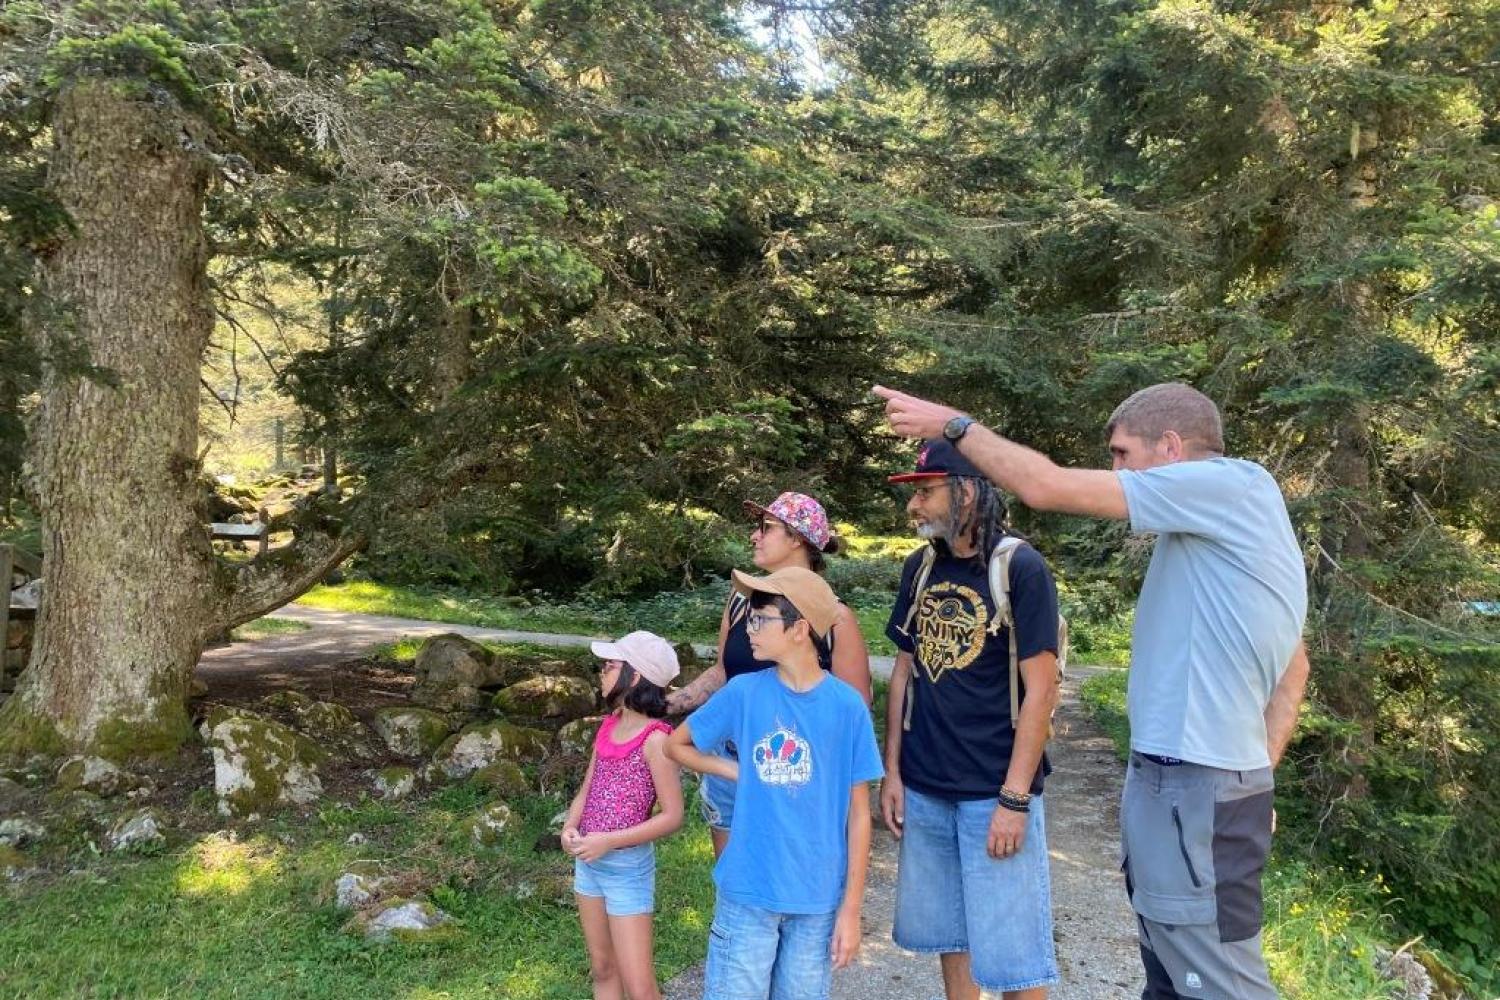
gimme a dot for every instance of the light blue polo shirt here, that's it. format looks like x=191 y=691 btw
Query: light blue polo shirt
x=1220 y=613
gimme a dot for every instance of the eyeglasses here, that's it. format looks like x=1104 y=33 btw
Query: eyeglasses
x=608 y=665
x=924 y=493
x=757 y=621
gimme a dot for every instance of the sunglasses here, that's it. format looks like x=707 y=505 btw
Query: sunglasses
x=766 y=523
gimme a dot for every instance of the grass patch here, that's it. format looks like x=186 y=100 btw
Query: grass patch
x=253 y=917
x=22 y=528
x=690 y=615
x=264 y=628
x=1104 y=696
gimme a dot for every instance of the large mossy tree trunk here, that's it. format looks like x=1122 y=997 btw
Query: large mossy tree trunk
x=132 y=588
x=128 y=566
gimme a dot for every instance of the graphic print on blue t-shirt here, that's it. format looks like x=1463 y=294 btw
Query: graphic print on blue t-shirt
x=801 y=753
x=781 y=758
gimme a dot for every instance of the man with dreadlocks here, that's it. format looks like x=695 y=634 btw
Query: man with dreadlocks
x=963 y=788
x=1217 y=667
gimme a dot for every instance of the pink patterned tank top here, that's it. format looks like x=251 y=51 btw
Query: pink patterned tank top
x=622 y=793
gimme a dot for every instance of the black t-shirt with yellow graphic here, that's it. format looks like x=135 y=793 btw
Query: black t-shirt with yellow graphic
x=959 y=742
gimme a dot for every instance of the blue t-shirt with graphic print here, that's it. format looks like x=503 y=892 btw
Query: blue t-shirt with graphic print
x=799 y=755
x=959 y=738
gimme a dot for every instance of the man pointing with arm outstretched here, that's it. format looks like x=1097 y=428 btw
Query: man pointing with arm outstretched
x=1217 y=666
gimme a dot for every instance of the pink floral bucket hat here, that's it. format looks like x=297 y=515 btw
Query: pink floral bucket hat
x=802 y=514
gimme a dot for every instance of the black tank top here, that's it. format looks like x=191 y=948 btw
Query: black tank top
x=738 y=657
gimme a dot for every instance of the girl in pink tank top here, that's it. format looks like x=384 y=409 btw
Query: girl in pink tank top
x=610 y=828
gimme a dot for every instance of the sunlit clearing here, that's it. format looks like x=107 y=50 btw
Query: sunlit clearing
x=218 y=866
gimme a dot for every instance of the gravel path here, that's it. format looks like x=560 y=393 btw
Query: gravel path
x=1093 y=923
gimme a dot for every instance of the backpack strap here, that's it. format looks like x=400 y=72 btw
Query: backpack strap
x=1004 y=618
x=919 y=583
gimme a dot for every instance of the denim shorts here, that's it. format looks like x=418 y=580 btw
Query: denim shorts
x=626 y=879
x=951 y=896
x=755 y=954
x=716 y=797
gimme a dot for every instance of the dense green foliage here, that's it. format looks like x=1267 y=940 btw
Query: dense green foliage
x=590 y=274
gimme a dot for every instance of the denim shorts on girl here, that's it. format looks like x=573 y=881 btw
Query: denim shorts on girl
x=625 y=879
x=754 y=954
x=952 y=896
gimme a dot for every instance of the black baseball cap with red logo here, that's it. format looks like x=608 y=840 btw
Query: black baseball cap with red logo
x=939 y=457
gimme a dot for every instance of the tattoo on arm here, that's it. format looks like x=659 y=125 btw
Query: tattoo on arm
x=698 y=691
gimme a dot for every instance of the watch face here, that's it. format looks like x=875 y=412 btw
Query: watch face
x=954 y=429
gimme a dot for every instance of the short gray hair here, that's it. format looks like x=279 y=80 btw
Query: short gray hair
x=1170 y=406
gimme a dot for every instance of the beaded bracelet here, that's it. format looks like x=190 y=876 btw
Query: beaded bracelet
x=1015 y=801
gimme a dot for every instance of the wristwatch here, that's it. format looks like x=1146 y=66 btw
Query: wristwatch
x=958 y=427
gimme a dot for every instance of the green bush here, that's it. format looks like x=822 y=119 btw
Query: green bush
x=1419 y=800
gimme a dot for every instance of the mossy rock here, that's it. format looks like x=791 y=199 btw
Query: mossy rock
x=15 y=866
x=410 y=731
x=504 y=777
x=403 y=919
x=329 y=724
x=96 y=776
x=14 y=796
x=394 y=783
x=487 y=827
x=548 y=698
x=18 y=831
x=549 y=887
x=77 y=808
x=139 y=831
x=481 y=744
x=451 y=671
x=260 y=764
x=576 y=738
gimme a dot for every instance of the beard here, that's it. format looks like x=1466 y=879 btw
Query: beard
x=929 y=531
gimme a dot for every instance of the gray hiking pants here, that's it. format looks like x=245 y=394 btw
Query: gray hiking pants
x=1194 y=842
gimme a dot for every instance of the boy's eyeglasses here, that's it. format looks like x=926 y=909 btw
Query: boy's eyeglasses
x=757 y=621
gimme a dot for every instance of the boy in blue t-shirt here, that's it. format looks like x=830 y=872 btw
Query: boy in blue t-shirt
x=791 y=881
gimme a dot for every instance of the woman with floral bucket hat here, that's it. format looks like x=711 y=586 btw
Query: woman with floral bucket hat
x=792 y=530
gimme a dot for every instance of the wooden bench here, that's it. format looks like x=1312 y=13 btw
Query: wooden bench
x=258 y=532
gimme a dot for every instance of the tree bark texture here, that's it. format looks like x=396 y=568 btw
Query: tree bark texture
x=114 y=457
x=132 y=588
